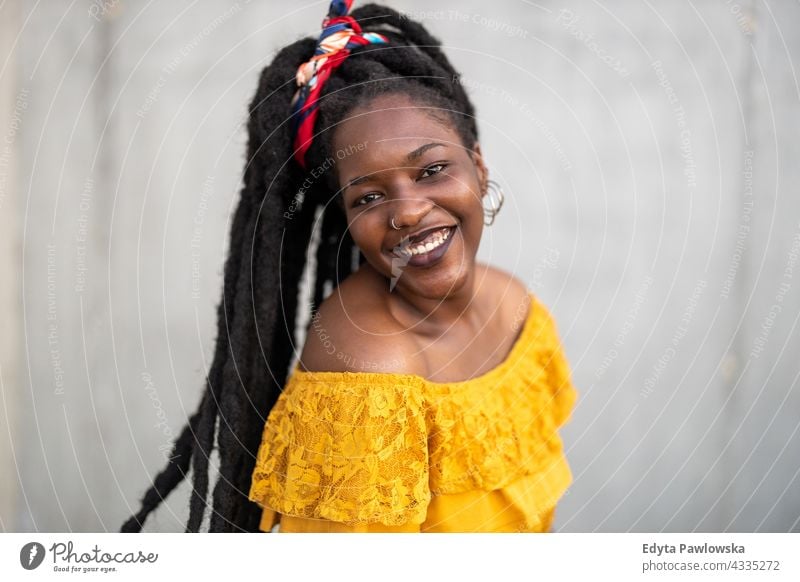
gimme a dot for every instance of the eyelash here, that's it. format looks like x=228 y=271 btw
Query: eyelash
x=443 y=166
x=440 y=165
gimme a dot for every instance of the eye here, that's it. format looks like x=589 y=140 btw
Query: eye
x=360 y=201
x=435 y=168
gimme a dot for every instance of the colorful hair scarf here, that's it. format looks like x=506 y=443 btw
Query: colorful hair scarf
x=340 y=34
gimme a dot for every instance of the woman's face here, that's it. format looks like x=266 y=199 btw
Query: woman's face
x=393 y=160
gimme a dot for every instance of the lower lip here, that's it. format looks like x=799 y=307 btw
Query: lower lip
x=429 y=258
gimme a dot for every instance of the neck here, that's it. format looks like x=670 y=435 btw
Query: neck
x=434 y=315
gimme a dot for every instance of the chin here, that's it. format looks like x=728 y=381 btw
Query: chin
x=435 y=283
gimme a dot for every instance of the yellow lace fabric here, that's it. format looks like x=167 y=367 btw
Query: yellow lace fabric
x=361 y=451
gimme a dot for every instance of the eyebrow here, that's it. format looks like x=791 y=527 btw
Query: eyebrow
x=414 y=155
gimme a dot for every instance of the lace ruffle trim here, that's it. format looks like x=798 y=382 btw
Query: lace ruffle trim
x=345 y=455
x=371 y=447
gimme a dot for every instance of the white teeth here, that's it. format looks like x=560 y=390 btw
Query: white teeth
x=433 y=241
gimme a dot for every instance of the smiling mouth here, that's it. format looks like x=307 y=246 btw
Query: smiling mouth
x=430 y=243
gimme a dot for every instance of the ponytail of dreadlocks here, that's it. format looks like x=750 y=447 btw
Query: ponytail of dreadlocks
x=258 y=314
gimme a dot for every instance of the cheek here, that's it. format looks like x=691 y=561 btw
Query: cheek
x=461 y=192
x=472 y=214
x=467 y=206
x=365 y=230
x=472 y=203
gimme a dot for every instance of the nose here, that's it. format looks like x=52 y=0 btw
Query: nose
x=409 y=210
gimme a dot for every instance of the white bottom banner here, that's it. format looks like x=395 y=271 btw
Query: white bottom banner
x=371 y=556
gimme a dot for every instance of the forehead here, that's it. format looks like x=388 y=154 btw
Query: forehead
x=390 y=126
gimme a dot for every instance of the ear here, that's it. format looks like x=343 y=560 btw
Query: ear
x=480 y=168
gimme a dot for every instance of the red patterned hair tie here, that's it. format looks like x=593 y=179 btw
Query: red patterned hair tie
x=340 y=35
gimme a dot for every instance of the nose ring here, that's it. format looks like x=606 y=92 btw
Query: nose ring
x=394 y=226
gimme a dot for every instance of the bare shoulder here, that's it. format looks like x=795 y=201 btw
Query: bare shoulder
x=507 y=289
x=354 y=331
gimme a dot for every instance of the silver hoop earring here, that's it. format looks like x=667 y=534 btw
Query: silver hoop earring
x=496 y=199
x=394 y=226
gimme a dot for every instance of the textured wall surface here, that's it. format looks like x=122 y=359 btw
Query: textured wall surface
x=648 y=151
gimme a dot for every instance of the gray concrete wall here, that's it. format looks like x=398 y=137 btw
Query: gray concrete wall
x=648 y=154
x=12 y=109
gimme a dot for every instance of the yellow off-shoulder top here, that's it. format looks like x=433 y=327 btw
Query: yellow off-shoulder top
x=385 y=452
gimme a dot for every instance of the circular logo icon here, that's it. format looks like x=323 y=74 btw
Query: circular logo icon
x=31 y=555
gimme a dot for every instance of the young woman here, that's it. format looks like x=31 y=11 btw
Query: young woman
x=430 y=387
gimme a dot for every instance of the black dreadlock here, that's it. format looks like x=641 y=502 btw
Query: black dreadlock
x=270 y=236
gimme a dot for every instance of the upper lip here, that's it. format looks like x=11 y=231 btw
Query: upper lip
x=420 y=234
